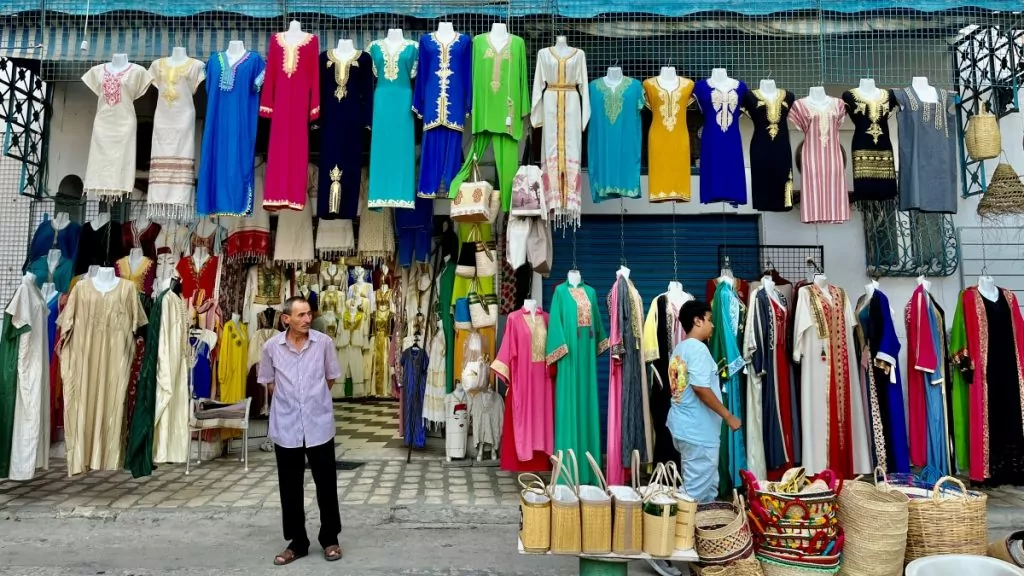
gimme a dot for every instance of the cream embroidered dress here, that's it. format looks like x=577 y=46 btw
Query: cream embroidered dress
x=561 y=104
x=170 y=430
x=171 y=192
x=110 y=172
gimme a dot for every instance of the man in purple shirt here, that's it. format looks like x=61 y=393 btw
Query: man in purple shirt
x=299 y=367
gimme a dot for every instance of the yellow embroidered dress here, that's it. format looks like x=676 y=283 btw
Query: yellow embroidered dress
x=232 y=363
x=668 y=145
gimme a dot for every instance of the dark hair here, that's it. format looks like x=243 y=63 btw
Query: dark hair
x=692 y=310
x=286 y=309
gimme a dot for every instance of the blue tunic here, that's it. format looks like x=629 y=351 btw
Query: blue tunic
x=935 y=395
x=202 y=372
x=613 y=139
x=393 y=151
x=44 y=239
x=884 y=346
x=51 y=324
x=723 y=177
x=227 y=166
x=62 y=274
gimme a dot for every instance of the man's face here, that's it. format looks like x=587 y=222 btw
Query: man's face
x=703 y=327
x=300 y=318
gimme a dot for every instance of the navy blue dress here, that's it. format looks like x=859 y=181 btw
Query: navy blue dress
x=723 y=178
x=47 y=238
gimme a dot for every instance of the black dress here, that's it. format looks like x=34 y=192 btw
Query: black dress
x=346 y=112
x=1006 y=445
x=661 y=395
x=99 y=248
x=771 y=158
x=874 y=171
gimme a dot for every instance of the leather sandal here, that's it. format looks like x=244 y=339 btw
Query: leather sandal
x=287 y=557
x=332 y=553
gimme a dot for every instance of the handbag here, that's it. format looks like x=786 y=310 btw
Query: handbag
x=982 y=137
x=528 y=199
x=659 y=509
x=566 y=524
x=486 y=259
x=465 y=266
x=534 y=514
x=627 y=510
x=476 y=201
x=480 y=308
x=463 y=319
x=539 y=250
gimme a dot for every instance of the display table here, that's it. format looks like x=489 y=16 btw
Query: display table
x=615 y=564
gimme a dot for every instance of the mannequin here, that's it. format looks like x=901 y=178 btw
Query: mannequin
x=926 y=92
x=614 y=76
x=344 y=50
x=134 y=258
x=675 y=294
x=922 y=281
x=720 y=79
x=530 y=305
x=869 y=288
x=162 y=284
x=394 y=41
x=867 y=88
x=769 y=287
x=53 y=260
x=178 y=56
x=60 y=221
x=235 y=317
x=725 y=274
x=294 y=35
x=821 y=281
x=499 y=36
x=101 y=220
x=235 y=51
x=574 y=277
x=987 y=288
x=94 y=269
x=668 y=79
x=199 y=257
x=29 y=278
x=768 y=88
x=446 y=32
x=118 y=63
x=456 y=407
x=818 y=98
x=105 y=280
x=562 y=47
x=204 y=228
x=624 y=272
x=49 y=290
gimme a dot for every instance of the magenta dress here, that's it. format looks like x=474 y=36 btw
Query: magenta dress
x=521 y=364
x=291 y=99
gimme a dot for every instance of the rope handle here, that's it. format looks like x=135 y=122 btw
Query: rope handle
x=936 y=492
x=556 y=471
x=602 y=483
x=655 y=486
x=574 y=479
x=673 y=475
x=527 y=481
x=476 y=169
x=634 y=471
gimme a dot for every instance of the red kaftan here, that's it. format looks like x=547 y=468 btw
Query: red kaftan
x=200 y=283
x=922 y=359
x=291 y=99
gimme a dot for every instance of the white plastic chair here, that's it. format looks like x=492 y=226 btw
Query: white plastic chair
x=197 y=424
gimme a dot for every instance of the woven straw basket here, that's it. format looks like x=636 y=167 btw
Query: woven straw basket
x=982 y=138
x=659 y=508
x=874 y=519
x=1001 y=548
x=722 y=533
x=946 y=521
x=595 y=512
x=1004 y=195
x=686 y=509
x=565 y=509
x=534 y=514
x=745 y=567
x=777 y=568
x=627 y=509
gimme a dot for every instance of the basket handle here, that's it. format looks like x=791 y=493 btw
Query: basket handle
x=634 y=470
x=936 y=492
x=556 y=471
x=527 y=481
x=573 y=479
x=673 y=476
x=654 y=485
x=602 y=483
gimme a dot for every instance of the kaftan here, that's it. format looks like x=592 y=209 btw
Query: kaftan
x=561 y=101
x=291 y=99
x=393 y=158
x=110 y=172
x=142 y=276
x=170 y=430
x=928 y=177
x=30 y=448
x=520 y=363
x=576 y=337
x=874 y=167
x=173 y=163
x=823 y=194
x=227 y=161
x=723 y=177
x=433 y=398
x=629 y=411
x=346 y=111
x=231 y=362
x=96 y=349
x=98 y=247
x=249 y=236
x=668 y=146
x=771 y=157
x=833 y=426
x=293 y=243
x=662 y=333
x=414 y=368
x=614 y=139
x=927 y=362
x=727 y=312
x=47 y=237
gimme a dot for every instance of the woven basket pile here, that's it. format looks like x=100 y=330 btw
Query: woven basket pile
x=874 y=520
x=944 y=518
x=1005 y=193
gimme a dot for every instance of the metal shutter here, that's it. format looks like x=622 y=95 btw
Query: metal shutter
x=648 y=247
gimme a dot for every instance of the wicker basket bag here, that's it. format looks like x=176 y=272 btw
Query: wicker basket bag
x=773 y=567
x=721 y=532
x=745 y=567
x=565 y=509
x=534 y=514
x=982 y=138
x=946 y=520
x=595 y=512
x=627 y=510
x=659 y=508
x=874 y=520
x=686 y=509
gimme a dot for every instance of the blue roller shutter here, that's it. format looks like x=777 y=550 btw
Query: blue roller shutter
x=648 y=245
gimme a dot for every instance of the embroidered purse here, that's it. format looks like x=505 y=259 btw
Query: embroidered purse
x=528 y=197
x=463 y=320
x=486 y=260
x=476 y=201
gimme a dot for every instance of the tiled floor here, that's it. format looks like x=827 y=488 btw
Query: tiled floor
x=369 y=431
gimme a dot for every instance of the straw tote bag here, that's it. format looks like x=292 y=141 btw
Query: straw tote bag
x=982 y=137
x=686 y=509
x=721 y=532
x=534 y=514
x=595 y=512
x=874 y=521
x=946 y=520
x=659 y=508
x=565 y=509
x=476 y=201
x=628 y=514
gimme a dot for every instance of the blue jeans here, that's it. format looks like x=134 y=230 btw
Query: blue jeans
x=699 y=469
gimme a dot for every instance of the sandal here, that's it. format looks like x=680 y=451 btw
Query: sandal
x=287 y=557
x=332 y=553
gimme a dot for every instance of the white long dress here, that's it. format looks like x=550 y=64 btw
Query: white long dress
x=561 y=104
x=817 y=339
x=170 y=431
x=172 y=167
x=31 y=446
x=293 y=243
x=434 y=395
x=110 y=172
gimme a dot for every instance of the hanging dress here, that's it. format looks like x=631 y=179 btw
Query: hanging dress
x=668 y=141
x=393 y=158
x=47 y=237
x=346 y=113
x=100 y=247
x=249 y=236
x=928 y=176
x=629 y=411
x=414 y=368
x=771 y=157
x=614 y=139
x=662 y=332
x=723 y=177
x=874 y=167
x=172 y=167
x=823 y=195
x=727 y=313
x=231 y=362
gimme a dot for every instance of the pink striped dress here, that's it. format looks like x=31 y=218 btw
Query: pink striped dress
x=823 y=197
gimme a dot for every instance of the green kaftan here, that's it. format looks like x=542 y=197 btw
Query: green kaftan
x=576 y=337
x=10 y=344
x=961 y=390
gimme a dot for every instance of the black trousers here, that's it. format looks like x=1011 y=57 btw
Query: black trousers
x=291 y=474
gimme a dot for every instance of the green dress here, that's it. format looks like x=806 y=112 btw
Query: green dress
x=727 y=313
x=10 y=344
x=138 y=454
x=576 y=337
x=961 y=390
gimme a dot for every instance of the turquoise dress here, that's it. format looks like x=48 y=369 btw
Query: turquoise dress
x=613 y=139
x=393 y=151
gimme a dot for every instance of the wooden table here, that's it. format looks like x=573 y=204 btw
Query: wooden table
x=616 y=564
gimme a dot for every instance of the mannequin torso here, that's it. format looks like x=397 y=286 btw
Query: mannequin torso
x=562 y=48
x=720 y=80
x=867 y=89
x=869 y=288
x=199 y=257
x=922 y=281
x=624 y=272
x=675 y=294
x=60 y=221
x=135 y=259
x=295 y=34
x=925 y=92
x=101 y=220
x=530 y=305
x=769 y=287
x=445 y=33
x=118 y=63
x=499 y=36
x=53 y=259
x=105 y=280
x=574 y=277
x=345 y=49
x=768 y=88
x=667 y=79
x=394 y=41
x=235 y=51
x=614 y=76
x=49 y=291
x=178 y=56
x=821 y=281
x=987 y=288
x=818 y=98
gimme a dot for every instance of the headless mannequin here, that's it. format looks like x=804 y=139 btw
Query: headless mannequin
x=118 y=63
x=867 y=88
x=667 y=78
x=28 y=278
x=236 y=318
x=141 y=224
x=294 y=35
x=624 y=272
x=134 y=259
x=178 y=56
x=922 y=281
x=235 y=51
x=101 y=220
x=93 y=271
x=562 y=47
x=204 y=227
x=52 y=260
x=499 y=36
x=987 y=288
x=769 y=287
x=818 y=98
x=614 y=76
x=104 y=280
x=394 y=41
x=768 y=88
x=925 y=92
x=720 y=80
x=575 y=279
x=869 y=288
x=725 y=275
x=60 y=221
x=345 y=49
x=530 y=305
x=199 y=257
x=162 y=284
x=821 y=281
x=445 y=33
x=49 y=291
x=675 y=294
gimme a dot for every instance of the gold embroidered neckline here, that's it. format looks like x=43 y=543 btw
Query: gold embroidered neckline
x=342 y=70
x=874 y=109
x=291 y=52
x=773 y=109
x=669 y=108
x=391 y=58
x=561 y=58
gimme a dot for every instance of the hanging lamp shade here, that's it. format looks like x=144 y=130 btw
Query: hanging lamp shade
x=1005 y=194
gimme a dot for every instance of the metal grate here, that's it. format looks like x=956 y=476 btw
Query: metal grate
x=993 y=251
x=792 y=262
x=908 y=243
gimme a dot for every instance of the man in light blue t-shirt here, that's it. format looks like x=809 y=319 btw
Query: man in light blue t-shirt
x=695 y=418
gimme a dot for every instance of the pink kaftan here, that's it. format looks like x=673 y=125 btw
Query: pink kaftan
x=922 y=359
x=521 y=364
x=823 y=195
x=291 y=99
